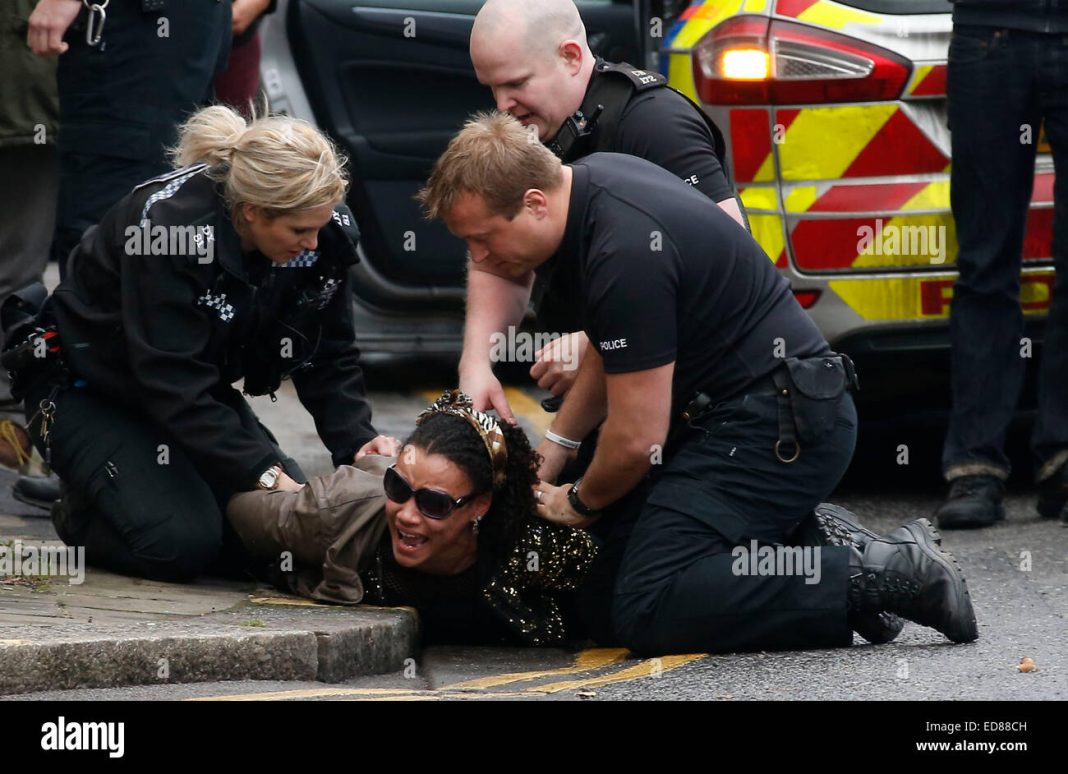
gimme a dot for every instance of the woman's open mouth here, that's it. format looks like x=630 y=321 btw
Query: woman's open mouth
x=409 y=542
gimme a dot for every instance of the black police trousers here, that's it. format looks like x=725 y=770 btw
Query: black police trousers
x=689 y=541
x=121 y=102
x=143 y=508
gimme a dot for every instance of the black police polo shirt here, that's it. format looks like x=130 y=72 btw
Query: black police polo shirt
x=664 y=127
x=661 y=274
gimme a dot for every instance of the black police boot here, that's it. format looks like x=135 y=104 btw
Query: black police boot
x=908 y=573
x=835 y=526
x=40 y=491
x=71 y=514
x=973 y=502
x=1053 y=494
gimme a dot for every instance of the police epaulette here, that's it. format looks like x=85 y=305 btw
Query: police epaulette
x=641 y=79
x=171 y=175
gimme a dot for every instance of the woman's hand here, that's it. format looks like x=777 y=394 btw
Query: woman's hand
x=245 y=12
x=553 y=459
x=553 y=505
x=385 y=445
x=287 y=484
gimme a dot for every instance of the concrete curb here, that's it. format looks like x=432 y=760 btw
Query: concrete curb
x=257 y=642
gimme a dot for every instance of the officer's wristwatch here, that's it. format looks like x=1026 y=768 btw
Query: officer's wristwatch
x=269 y=478
x=577 y=504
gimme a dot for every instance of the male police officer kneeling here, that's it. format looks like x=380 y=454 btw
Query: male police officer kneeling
x=687 y=313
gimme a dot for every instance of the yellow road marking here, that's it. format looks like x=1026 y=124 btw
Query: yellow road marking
x=525 y=406
x=594 y=658
x=306 y=693
x=587 y=660
x=430 y=395
x=285 y=601
x=522 y=405
x=644 y=669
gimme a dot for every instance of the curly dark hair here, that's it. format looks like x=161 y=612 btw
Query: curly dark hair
x=513 y=503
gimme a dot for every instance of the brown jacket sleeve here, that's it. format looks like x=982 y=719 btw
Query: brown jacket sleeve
x=330 y=529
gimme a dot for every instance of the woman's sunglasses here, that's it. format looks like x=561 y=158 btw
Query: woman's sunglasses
x=431 y=503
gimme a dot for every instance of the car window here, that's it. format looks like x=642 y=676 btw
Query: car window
x=900 y=6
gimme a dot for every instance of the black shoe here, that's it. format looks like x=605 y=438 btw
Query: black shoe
x=40 y=491
x=908 y=573
x=1053 y=494
x=973 y=502
x=835 y=526
x=70 y=516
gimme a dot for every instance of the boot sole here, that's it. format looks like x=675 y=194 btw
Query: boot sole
x=839 y=536
x=929 y=539
x=876 y=628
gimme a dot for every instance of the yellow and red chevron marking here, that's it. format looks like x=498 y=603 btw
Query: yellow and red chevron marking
x=765 y=222
x=928 y=80
x=750 y=133
x=827 y=143
x=870 y=242
x=825 y=13
x=827 y=244
x=891 y=299
x=888 y=197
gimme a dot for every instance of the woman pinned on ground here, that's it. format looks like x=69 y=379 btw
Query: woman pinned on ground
x=448 y=527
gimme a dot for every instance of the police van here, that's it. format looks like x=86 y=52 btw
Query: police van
x=834 y=113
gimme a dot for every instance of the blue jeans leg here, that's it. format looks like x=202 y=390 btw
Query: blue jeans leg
x=1050 y=441
x=990 y=186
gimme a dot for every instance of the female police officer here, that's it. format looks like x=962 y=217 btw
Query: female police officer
x=234 y=265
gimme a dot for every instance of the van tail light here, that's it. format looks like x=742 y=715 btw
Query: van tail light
x=753 y=60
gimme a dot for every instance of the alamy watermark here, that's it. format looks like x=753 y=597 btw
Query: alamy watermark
x=906 y=241
x=515 y=346
x=194 y=241
x=63 y=735
x=30 y=561
x=768 y=560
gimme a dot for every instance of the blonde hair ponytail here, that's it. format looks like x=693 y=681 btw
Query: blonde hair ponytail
x=278 y=163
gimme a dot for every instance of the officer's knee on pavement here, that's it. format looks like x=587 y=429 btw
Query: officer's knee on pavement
x=180 y=556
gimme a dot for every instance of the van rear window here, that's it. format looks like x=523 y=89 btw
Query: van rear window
x=900 y=6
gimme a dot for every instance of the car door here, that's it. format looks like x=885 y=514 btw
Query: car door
x=392 y=82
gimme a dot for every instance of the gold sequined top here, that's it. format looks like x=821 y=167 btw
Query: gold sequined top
x=521 y=593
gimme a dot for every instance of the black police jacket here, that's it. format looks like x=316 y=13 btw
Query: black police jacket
x=161 y=310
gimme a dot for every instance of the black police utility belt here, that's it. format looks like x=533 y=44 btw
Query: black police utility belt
x=809 y=392
x=603 y=108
